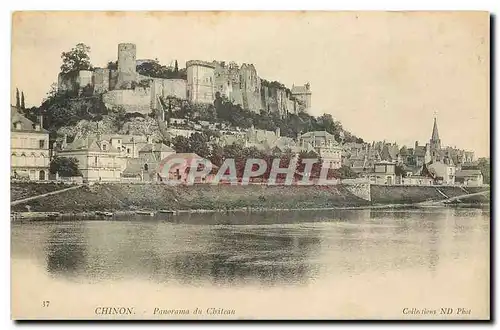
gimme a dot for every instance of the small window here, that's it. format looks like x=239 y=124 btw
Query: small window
x=128 y=150
x=104 y=147
x=146 y=167
x=42 y=144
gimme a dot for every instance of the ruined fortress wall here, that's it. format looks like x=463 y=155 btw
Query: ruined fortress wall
x=156 y=91
x=84 y=78
x=132 y=100
x=166 y=87
x=113 y=79
x=175 y=87
x=101 y=80
x=264 y=98
x=250 y=86
x=252 y=101
x=291 y=106
x=281 y=101
x=67 y=82
x=236 y=95
x=74 y=81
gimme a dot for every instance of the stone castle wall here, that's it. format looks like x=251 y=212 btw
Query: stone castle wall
x=101 y=80
x=132 y=100
x=74 y=81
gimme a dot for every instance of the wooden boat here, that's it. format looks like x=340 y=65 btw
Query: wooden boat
x=106 y=214
x=149 y=213
x=53 y=215
x=167 y=211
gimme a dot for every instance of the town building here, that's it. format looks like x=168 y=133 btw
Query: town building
x=472 y=177
x=30 y=155
x=444 y=172
x=145 y=167
x=419 y=180
x=98 y=159
x=383 y=172
x=116 y=157
x=324 y=144
x=176 y=167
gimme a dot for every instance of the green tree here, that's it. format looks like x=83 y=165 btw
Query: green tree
x=216 y=154
x=76 y=59
x=181 y=144
x=23 y=106
x=65 y=166
x=484 y=166
x=198 y=143
x=344 y=172
x=112 y=65
x=119 y=117
x=18 y=102
x=400 y=170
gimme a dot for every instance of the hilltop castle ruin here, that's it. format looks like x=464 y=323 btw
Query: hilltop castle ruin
x=205 y=81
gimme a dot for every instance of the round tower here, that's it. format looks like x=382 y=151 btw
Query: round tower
x=126 y=64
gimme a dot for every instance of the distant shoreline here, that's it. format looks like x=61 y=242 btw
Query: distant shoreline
x=97 y=215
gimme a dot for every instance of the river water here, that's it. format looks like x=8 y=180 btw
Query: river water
x=370 y=264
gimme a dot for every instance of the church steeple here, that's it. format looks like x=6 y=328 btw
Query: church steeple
x=435 y=134
x=435 y=143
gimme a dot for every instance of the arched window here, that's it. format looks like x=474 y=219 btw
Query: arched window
x=41 y=160
x=22 y=160
x=32 y=159
x=146 y=167
x=13 y=159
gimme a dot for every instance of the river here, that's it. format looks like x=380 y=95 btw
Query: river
x=369 y=264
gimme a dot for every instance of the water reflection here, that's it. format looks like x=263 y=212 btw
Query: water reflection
x=288 y=248
x=65 y=250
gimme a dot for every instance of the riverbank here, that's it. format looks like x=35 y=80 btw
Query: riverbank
x=133 y=197
x=383 y=194
x=128 y=199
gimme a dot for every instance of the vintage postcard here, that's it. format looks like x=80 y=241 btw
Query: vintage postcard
x=250 y=165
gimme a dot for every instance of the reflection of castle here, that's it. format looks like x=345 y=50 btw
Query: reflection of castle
x=124 y=87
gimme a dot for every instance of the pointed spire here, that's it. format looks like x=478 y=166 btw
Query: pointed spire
x=435 y=134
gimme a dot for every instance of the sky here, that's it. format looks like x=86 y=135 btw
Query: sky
x=384 y=75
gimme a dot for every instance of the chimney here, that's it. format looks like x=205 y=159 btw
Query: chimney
x=40 y=120
x=64 y=142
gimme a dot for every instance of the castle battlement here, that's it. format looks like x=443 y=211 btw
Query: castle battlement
x=200 y=63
